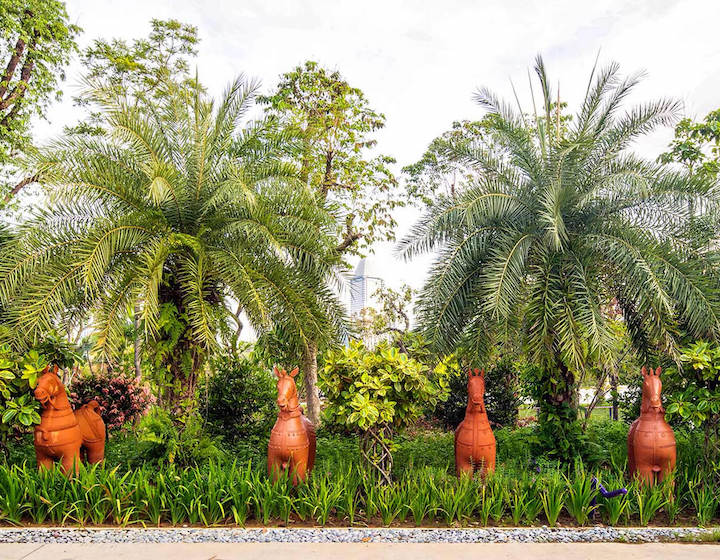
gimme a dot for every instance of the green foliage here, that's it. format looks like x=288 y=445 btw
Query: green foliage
x=557 y=220
x=580 y=495
x=379 y=392
x=57 y=350
x=559 y=435
x=333 y=124
x=36 y=43
x=225 y=490
x=365 y=388
x=694 y=395
x=697 y=145
x=182 y=442
x=18 y=376
x=439 y=173
x=238 y=399
x=159 y=212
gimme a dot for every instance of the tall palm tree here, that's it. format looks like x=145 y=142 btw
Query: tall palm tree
x=177 y=209
x=559 y=220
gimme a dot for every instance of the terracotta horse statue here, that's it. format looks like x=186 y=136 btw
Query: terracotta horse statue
x=292 y=440
x=651 y=441
x=63 y=434
x=474 y=439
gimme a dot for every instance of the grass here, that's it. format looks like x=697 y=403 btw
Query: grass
x=241 y=493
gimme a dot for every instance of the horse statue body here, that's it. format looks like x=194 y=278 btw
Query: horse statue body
x=474 y=439
x=651 y=442
x=63 y=434
x=292 y=440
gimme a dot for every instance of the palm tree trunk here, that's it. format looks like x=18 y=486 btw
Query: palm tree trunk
x=309 y=365
x=136 y=342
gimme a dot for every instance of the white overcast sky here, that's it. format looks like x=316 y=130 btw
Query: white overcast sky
x=420 y=61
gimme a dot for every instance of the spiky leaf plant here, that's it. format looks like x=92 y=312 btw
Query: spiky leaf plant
x=179 y=206
x=560 y=219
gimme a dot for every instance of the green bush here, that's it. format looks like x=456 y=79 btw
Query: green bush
x=18 y=377
x=182 y=442
x=238 y=400
x=379 y=393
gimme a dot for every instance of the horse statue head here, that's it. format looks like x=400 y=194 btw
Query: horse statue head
x=287 y=399
x=476 y=389
x=49 y=387
x=651 y=389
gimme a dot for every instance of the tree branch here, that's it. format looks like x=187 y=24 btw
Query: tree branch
x=10 y=68
x=20 y=186
x=350 y=235
x=19 y=90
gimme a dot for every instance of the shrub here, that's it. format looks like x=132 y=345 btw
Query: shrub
x=183 y=442
x=18 y=376
x=238 y=400
x=378 y=393
x=121 y=397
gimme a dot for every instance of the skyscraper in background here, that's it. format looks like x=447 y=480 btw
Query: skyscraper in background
x=363 y=284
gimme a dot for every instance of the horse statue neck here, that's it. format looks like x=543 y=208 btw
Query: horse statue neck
x=295 y=412
x=649 y=412
x=475 y=412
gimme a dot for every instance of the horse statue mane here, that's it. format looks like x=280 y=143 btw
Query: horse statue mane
x=291 y=448
x=474 y=439
x=651 y=445
x=63 y=434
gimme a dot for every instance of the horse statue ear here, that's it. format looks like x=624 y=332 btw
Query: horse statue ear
x=658 y=371
x=294 y=372
x=277 y=372
x=470 y=373
x=55 y=369
x=644 y=371
x=482 y=373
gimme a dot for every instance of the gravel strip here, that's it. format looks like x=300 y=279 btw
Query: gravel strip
x=197 y=535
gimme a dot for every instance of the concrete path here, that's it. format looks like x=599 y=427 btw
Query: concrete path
x=369 y=551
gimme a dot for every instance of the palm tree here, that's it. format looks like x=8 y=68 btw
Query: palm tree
x=178 y=209
x=559 y=220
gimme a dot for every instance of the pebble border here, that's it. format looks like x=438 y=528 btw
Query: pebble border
x=351 y=535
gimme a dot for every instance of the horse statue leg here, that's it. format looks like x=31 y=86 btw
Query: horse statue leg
x=70 y=459
x=463 y=464
x=44 y=461
x=274 y=464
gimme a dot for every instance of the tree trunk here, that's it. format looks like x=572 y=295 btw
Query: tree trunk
x=614 y=393
x=136 y=343
x=309 y=365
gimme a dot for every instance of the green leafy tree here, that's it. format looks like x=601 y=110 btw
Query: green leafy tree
x=696 y=396
x=439 y=172
x=159 y=213
x=378 y=393
x=696 y=147
x=36 y=43
x=558 y=219
x=144 y=71
x=333 y=126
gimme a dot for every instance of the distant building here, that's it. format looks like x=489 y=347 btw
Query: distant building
x=363 y=284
